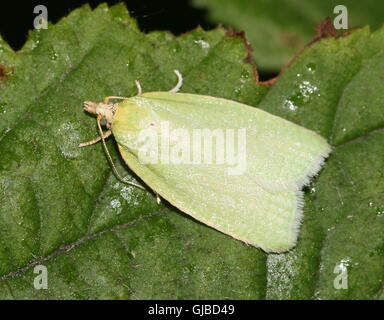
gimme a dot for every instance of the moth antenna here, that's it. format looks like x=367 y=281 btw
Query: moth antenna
x=110 y=158
x=138 y=86
x=179 y=82
x=88 y=143
x=106 y=99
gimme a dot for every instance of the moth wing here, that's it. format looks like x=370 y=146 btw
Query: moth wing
x=262 y=205
x=241 y=209
x=280 y=154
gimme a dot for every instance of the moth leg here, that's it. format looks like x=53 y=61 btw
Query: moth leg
x=88 y=143
x=106 y=99
x=179 y=82
x=138 y=86
x=99 y=117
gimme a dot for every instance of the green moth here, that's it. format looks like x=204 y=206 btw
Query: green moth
x=231 y=166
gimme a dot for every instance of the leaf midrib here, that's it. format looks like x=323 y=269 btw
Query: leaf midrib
x=68 y=247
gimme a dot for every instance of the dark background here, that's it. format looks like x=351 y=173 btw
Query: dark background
x=178 y=16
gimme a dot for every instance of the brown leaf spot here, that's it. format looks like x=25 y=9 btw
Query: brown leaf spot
x=4 y=72
x=325 y=29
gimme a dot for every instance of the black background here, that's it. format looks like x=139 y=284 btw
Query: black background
x=178 y=16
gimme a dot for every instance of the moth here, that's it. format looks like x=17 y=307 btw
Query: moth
x=234 y=167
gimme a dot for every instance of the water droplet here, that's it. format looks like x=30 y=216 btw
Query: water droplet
x=288 y=104
x=115 y=204
x=35 y=38
x=307 y=89
x=3 y=106
x=311 y=67
x=238 y=92
x=53 y=54
x=203 y=44
x=244 y=76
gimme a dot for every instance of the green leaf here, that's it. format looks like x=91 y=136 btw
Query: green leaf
x=279 y=29
x=61 y=206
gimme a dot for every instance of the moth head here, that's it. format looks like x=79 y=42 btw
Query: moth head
x=104 y=111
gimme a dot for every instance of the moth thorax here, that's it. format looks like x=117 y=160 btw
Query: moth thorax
x=106 y=110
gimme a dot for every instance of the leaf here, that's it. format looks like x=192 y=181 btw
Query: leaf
x=279 y=29
x=61 y=206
